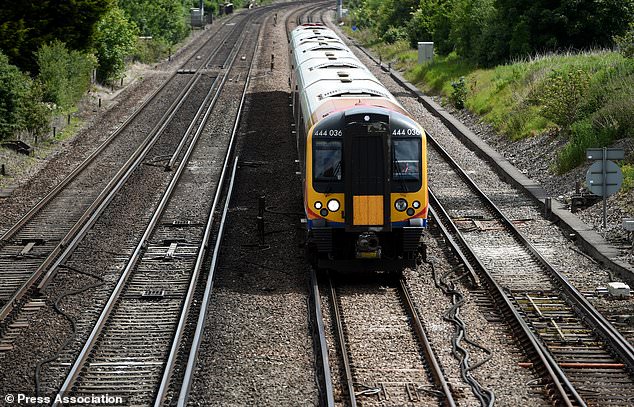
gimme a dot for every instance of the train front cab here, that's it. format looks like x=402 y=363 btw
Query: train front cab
x=366 y=190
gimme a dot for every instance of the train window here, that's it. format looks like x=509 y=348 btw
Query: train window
x=327 y=160
x=406 y=159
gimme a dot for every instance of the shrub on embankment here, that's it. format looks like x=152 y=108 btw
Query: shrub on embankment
x=588 y=98
x=585 y=97
x=523 y=64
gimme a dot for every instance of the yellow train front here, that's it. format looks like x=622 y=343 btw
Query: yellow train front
x=363 y=159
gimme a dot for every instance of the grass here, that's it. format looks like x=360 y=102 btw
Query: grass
x=586 y=98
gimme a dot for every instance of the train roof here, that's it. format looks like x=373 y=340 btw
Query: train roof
x=327 y=69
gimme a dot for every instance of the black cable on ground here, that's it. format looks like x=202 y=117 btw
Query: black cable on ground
x=71 y=320
x=485 y=396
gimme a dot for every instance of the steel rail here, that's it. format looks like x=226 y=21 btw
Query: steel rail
x=557 y=375
x=180 y=331
x=97 y=205
x=109 y=192
x=622 y=347
x=193 y=353
x=442 y=214
x=461 y=248
x=342 y=343
x=191 y=361
x=327 y=386
x=136 y=256
x=225 y=75
x=430 y=356
x=77 y=232
x=619 y=344
x=432 y=361
x=59 y=187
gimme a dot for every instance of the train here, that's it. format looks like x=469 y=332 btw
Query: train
x=363 y=159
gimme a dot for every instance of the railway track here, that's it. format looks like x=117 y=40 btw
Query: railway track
x=585 y=360
x=47 y=235
x=135 y=344
x=384 y=355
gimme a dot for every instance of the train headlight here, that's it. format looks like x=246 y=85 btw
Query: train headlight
x=416 y=204
x=333 y=205
x=323 y=212
x=410 y=212
x=400 y=204
x=318 y=205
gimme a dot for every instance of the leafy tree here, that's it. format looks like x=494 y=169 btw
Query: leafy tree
x=36 y=114
x=625 y=42
x=472 y=22
x=421 y=26
x=65 y=75
x=490 y=32
x=563 y=93
x=431 y=21
x=546 y=25
x=365 y=13
x=395 y=13
x=115 y=39
x=14 y=91
x=165 y=20
x=27 y=24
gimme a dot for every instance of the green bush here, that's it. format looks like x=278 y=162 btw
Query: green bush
x=625 y=42
x=459 y=93
x=393 y=35
x=419 y=28
x=65 y=75
x=37 y=114
x=151 y=50
x=563 y=93
x=167 y=20
x=616 y=116
x=21 y=106
x=14 y=91
x=115 y=39
x=628 y=177
x=583 y=136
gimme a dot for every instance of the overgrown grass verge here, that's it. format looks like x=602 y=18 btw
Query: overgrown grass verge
x=586 y=98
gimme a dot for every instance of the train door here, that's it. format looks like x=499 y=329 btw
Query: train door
x=366 y=173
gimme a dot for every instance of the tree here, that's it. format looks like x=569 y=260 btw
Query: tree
x=14 y=90
x=115 y=38
x=165 y=20
x=431 y=22
x=27 y=24
x=65 y=75
x=472 y=22
x=547 y=25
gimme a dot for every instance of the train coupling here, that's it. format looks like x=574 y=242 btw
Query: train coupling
x=367 y=246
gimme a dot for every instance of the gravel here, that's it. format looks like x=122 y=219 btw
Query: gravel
x=535 y=157
x=257 y=349
x=92 y=262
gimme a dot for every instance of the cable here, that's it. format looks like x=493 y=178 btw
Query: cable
x=59 y=310
x=485 y=396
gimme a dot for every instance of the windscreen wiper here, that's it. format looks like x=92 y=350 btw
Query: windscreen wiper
x=335 y=172
x=399 y=173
